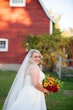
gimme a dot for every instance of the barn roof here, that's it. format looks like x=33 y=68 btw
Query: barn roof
x=45 y=10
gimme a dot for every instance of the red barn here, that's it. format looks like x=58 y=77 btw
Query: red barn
x=15 y=23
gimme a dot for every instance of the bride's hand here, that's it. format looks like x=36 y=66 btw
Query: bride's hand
x=46 y=91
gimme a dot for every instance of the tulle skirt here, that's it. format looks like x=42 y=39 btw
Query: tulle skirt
x=29 y=99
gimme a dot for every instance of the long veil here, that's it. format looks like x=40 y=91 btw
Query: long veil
x=18 y=82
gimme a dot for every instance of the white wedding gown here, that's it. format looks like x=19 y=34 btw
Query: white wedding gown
x=30 y=98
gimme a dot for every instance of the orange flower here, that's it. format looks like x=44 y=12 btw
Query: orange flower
x=51 y=78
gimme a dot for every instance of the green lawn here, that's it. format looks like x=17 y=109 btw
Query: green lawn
x=63 y=100
x=6 y=78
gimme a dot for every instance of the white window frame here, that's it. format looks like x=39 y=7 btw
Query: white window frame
x=17 y=3
x=5 y=49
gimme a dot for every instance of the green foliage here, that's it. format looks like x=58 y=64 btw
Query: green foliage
x=50 y=46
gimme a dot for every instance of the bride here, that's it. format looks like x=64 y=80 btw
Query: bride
x=27 y=92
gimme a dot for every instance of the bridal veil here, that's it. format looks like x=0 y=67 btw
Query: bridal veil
x=18 y=81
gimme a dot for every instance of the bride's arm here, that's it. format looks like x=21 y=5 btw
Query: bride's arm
x=34 y=72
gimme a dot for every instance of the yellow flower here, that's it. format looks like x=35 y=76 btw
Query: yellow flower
x=45 y=84
x=58 y=86
x=51 y=83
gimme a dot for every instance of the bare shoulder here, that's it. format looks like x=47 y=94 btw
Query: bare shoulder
x=34 y=68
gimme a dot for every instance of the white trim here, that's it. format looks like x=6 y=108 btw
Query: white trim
x=51 y=27
x=46 y=11
x=17 y=3
x=6 y=45
x=47 y=14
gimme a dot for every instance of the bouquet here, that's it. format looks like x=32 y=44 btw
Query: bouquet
x=52 y=84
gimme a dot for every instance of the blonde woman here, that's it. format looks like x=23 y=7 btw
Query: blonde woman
x=27 y=92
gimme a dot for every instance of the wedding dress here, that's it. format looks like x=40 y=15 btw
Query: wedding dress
x=30 y=98
x=23 y=94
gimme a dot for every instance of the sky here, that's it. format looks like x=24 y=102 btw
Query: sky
x=64 y=8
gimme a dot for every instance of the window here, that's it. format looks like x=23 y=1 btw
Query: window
x=3 y=45
x=17 y=3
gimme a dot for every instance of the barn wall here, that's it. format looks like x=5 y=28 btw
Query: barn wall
x=15 y=23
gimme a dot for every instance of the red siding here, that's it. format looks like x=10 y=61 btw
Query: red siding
x=15 y=23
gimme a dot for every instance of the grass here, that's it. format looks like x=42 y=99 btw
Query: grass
x=63 y=100
x=6 y=78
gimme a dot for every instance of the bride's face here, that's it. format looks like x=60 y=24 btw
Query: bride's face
x=36 y=58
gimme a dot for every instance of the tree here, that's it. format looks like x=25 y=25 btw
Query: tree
x=50 y=46
x=58 y=43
